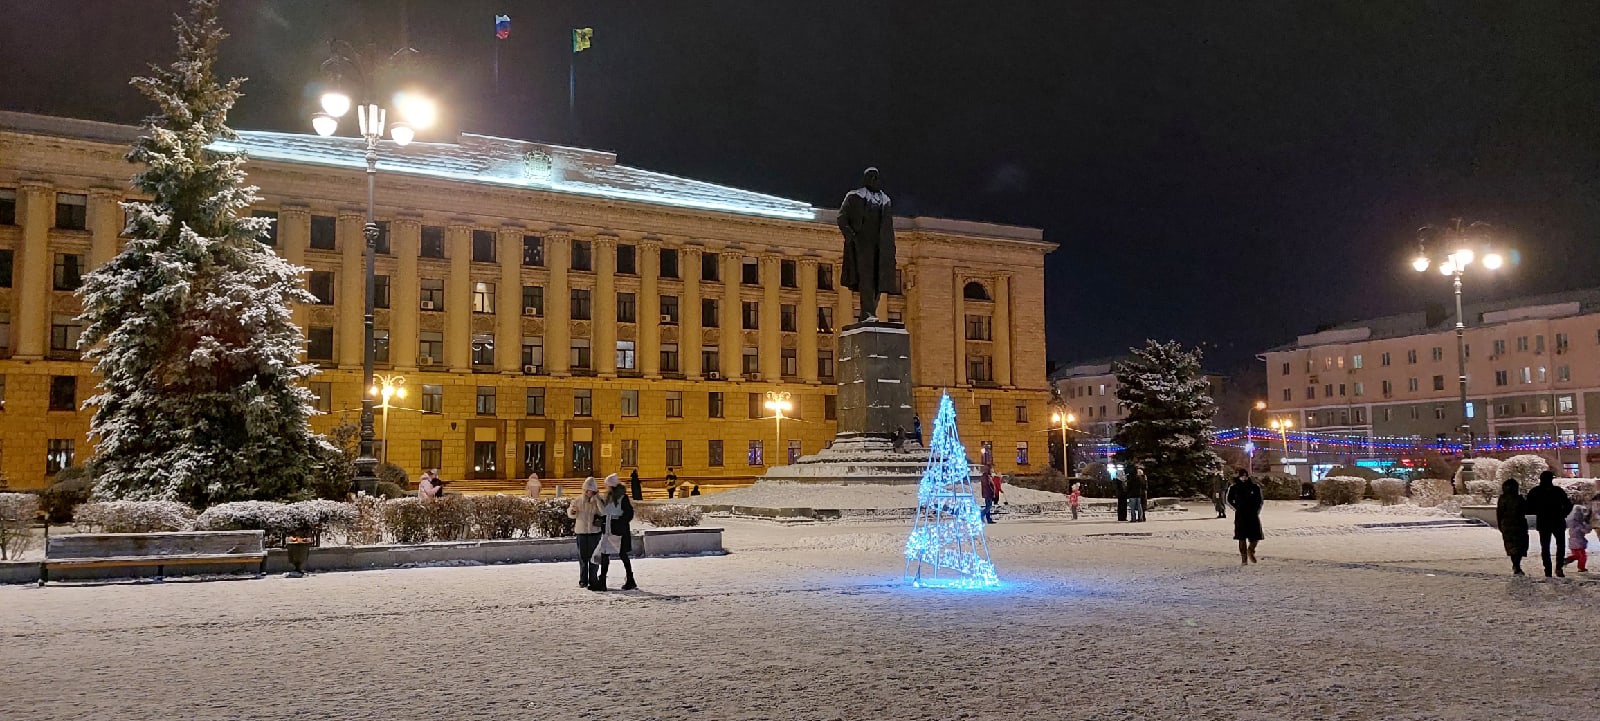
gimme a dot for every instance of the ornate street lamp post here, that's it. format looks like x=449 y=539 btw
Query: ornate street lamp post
x=778 y=402
x=387 y=386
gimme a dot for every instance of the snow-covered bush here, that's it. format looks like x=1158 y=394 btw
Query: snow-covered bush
x=1279 y=486
x=1430 y=492
x=1483 y=469
x=1580 y=490
x=276 y=519
x=71 y=489
x=367 y=530
x=320 y=518
x=1525 y=468
x=669 y=515
x=134 y=517
x=406 y=520
x=502 y=516
x=1389 y=490
x=18 y=511
x=449 y=518
x=1340 y=490
x=550 y=518
x=1483 y=491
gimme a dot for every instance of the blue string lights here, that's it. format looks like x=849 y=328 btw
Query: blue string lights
x=1376 y=445
x=947 y=543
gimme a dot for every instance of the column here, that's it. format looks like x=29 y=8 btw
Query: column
x=105 y=226
x=558 y=308
x=508 y=304
x=960 y=345
x=771 y=339
x=732 y=336
x=405 y=241
x=294 y=235
x=458 y=298
x=1002 y=330
x=648 y=346
x=689 y=328
x=807 y=318
x=351 y=300
x=603 y=333
x=31 y=284
x=913 y=318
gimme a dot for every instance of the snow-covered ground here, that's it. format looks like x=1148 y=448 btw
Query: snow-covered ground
x=813 y=621
x=773 y=494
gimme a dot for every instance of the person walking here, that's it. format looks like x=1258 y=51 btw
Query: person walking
x=1512 y=519
x=1245 y=497
x=987 y=489
x=1136 y=491
x=672 y=483
x=999 y=487
x=1073 y=499
x=588 y=519
x=1549 y=506
x=1578 y=524
x=635 y=486
x=916 y=430
x=618 y=537
x=535 y=486
x=1219 y=493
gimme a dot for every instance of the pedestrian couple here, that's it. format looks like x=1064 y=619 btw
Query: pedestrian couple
x=601 y=523
x=1556 y=519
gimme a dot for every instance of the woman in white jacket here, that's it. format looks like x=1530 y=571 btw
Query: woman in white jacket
x=588 y=521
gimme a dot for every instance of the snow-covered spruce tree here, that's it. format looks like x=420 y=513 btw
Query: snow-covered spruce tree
x=189 y=326
x=1168 y=429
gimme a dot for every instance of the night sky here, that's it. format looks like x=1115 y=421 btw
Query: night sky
x=1234 y=173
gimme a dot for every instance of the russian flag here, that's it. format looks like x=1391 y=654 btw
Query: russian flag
x=502 y=26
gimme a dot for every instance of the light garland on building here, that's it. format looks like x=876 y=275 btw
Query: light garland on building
x=947 y=543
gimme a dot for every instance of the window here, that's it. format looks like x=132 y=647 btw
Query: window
x=1438 y=383
x=1355 y=361
x=755 y=405
x=669 y=262
x=533 y=353
x=483 y=246
x=1501 y=378
x=791 y=361
x=1022 y=453
x=787 y=274
x=630 y=404
x=1327 y=390
x=824 y=319
x=485 y=400
x=674 y=453
x=714 y=453
x=974 y=291
x=483 y=352
x=674 y=404
x=58 y=455
x=830 y=408
x=786 y=318
x=630 y=453
x=1438 y=413
x=985 y=411
x=381 y=245
x=669 y=358
x=582 y=255
x=1288 y=395
x=8 y=206
x=380 y=291
x=669 y=310
x=1311 y=392
x=1563 y=373
x=627 y=308
x=1438 y=354
x=533 y=300
x=1540 y=377
x=978 y=328
x=580 y=304
x=432 y=401
x=1522 y=344
x=535 y=402
x=1411 y=356
x=1500 y=347
x=710 y=360
x=627 y=259
x=482 y=297
x=432 y=295
x=69 y=271
x=825 y=363
x=980 y=368
x=709 y=267
x=625 y=356
x=430 y=348
x=708 y=312
x=321 y=286
x=7 y=262
x=1022 y=413
x=321 y=396
x=750 y=272
x=899 y=282
x=1561 y=342
x=756 y=455
x=1411 y=384
x=751 y=362
x=1538 y=344
x=714 y=404
x=1358 y=388
x=72 y=211
x=324 y=232
x=432 y=454
x=320 y=345
x=1415 y=413
x=751 y=314
x=1285 y=369
x=532 y=250
x=380 y=345
x=1564 y=404
x=578 y=354
x=1383 y=359
x=63 y=393
x=1527 y=374
x=582 y=402
x=824 y=276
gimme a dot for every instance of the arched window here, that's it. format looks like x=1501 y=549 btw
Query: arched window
x=975 y=291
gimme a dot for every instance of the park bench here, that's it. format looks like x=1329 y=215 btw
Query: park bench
x=113 y=550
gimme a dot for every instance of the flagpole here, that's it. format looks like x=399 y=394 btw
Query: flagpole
x=497 y=66
x=572 y=93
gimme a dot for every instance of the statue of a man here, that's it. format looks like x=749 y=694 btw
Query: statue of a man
x=868 y=228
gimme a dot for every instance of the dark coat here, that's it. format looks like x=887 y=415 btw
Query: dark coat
x=635 y=486
x=620 y=526
x=1550 y=505
x=855 y=223
x=1512 y=518
x=1246 y=499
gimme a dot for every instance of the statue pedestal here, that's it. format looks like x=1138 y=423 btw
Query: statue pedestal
x=874 y=400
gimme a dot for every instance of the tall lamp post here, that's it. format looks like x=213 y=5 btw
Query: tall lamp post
x=1249 y=440
x=1282 y=426
x=387 y=386
x=352 y=71
x=1453 y=252
x=778 y=403
x=1065 y=420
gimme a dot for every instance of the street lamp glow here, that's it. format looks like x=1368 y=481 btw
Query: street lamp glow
x=1420 y=264
x=1447 y=268
x=1493 y=261
x=402 y=134
x=1055 y=418
x=418 y=110
x=1463 y=257
x=1261 y=405
x=1071 y=419
x=335 y=103
x=324 y=124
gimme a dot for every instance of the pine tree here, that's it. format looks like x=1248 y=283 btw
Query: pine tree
x=189 y=326
x=1169 y=428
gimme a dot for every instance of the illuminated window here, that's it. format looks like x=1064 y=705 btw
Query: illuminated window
x=482 y=297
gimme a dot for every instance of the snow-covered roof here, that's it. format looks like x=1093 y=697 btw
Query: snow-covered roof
x=1494 y=312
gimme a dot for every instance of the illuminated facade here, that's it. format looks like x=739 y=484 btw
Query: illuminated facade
x=548 y=308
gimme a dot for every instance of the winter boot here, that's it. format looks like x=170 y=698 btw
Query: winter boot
x=629 y=585
x=1516 y=567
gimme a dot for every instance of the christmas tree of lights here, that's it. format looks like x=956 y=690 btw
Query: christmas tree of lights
x=947 y=543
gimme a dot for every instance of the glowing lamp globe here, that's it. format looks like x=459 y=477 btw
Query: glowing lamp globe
x=1463 y=257
x=1493 y=261
x=1447 y=268
x=324 y=124
x=335 y=103
x=1420 y=264
x=402 y=134
x=418 y=110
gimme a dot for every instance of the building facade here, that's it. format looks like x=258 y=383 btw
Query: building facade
x=547 y=308
x=1533 y=372
x=1088 y=391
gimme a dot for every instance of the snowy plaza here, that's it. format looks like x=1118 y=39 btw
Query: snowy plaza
x=813 y=621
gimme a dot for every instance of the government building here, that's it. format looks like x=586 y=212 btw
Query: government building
x=544 y=307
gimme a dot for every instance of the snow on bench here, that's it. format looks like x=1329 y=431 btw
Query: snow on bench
x=110 y=550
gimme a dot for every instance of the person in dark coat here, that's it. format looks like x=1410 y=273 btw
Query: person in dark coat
x=672 y=483
x=1122 y=498
x=1513 y=521
x=916 y=430
x=635 y=486
x=1245 y=497
x=988 y=495
x=618 y=511
x=1136 y=491
x=1219 y=492
x=1549 y=506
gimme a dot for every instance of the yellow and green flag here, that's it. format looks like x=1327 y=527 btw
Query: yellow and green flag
x=582 y=38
